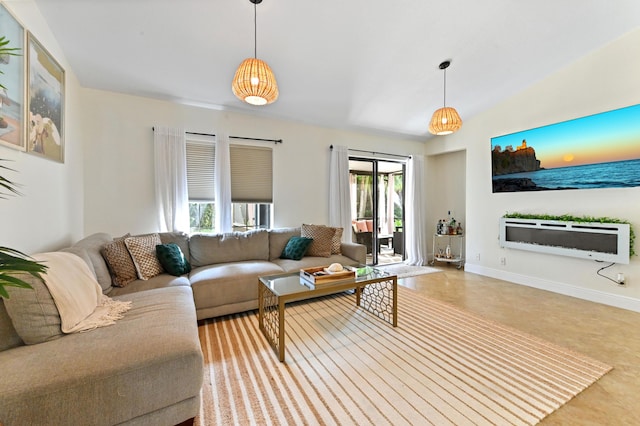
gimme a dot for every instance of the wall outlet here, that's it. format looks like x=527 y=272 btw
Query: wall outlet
x=503 y=261
x=477 y=256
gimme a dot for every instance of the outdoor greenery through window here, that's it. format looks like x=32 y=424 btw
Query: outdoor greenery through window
x=201 y=217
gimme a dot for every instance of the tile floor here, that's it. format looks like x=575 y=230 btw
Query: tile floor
x=608 y=334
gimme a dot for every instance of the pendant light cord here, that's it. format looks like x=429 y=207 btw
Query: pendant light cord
x=444 y=97
x=255 y=31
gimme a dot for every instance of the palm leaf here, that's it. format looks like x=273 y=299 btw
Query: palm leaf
x=6 y=184
x=14 y=262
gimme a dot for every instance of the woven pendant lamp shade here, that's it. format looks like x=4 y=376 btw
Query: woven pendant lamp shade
x=445 y=121
x=255 y=83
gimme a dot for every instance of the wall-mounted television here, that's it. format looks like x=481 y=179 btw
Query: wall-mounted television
x=597 y=151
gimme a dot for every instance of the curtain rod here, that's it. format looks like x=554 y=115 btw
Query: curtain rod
x=376 y=153
x=276 y=141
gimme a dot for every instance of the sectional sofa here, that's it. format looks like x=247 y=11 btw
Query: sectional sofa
x=146 y=369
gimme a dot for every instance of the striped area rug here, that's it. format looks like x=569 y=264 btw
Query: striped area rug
x=343 y=366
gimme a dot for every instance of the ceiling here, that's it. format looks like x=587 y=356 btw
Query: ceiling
x=348 y=64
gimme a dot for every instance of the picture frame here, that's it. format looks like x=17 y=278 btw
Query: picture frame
x=45 y=102
x=12 y=82
x=593 y=152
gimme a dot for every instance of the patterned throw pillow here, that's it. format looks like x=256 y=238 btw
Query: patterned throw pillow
x=322 y=239
x=143 y=252
x=336 y=241
x=172 y=259
x=121 y=266
x=296 y=248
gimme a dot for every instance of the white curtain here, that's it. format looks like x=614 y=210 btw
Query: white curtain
x=223 y=184
x=382 y=209
x=415 y=232
x=354 y=194
x=390 y=204
x=172 y=199
x=339 y=191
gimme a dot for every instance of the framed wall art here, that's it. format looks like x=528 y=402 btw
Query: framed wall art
x=12 y=87
x=597 y=151
x=45 y=102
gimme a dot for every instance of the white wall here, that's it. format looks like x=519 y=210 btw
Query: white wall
x=49 y=215
x=446 y=180
x=119 y=159
x=605 y=80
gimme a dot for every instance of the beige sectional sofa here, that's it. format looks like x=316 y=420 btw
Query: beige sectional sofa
x=146 y=369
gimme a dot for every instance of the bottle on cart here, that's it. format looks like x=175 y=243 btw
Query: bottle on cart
x=447 y=252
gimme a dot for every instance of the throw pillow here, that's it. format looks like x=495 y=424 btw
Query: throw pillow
x=369 y=223
x=336 y=241
x=172 y=259
x=322 y=239
x=119 y=261
x=33 y=312
x=296 y=248
x=143 y=253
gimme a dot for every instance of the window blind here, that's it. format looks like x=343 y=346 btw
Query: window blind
x=201 y=157
x=251 y=174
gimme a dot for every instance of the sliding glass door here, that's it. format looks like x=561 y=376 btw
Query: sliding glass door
x=377 y=208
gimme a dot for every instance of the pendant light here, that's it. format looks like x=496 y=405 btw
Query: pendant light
x=445 y=120
x=254 y=82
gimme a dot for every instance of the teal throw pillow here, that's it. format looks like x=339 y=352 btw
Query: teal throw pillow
x=172 y=259
x=296 y=248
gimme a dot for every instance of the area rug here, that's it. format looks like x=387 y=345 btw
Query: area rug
x=344 y=366
x=404 y=271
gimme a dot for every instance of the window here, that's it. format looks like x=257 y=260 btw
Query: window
x=251 y=186
x=201 y=156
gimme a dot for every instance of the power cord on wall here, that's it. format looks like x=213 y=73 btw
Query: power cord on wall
x=619 y=281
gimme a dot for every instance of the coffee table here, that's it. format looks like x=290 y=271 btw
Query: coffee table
x=376 y=292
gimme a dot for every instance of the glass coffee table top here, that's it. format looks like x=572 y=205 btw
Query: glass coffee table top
x=293 y=283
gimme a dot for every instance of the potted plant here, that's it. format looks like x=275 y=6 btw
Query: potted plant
x=12 y=261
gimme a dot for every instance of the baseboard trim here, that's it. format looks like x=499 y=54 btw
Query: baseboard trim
x=597 y=296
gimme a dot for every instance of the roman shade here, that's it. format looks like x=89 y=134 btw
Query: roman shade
x=200 y=170
x=251 y=174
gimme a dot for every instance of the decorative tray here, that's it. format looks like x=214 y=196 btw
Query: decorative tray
x=320 y=275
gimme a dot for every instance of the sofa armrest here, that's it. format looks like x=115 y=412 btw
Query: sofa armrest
x=357 y=252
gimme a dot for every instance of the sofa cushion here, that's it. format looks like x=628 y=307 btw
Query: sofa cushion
x=9 y=337
x=361 y=226
x=33 y=312
x=229 y=283
x=278 y=239
x=90 y=248
x=322 y=239
x=172 y=259
x=143 y=253
x=296 y=248
x=159 y=281
x=119 y=262
x=233 y=247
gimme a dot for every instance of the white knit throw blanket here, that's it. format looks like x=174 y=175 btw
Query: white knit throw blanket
x=77 y=294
